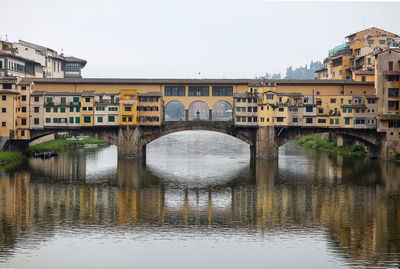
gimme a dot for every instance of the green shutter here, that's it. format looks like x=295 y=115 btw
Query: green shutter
x=71 y=119
x=77 y=119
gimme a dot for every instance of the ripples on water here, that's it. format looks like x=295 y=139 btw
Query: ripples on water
x=199 y=202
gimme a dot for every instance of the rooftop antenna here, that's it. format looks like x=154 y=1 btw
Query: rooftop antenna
x=6 y=39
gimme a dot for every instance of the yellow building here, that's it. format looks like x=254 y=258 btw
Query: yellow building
x=8 y=94
x=150 y=109
x=87 y=108
x=128 y=101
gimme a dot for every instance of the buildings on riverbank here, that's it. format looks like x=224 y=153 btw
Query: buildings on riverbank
x=72 y=102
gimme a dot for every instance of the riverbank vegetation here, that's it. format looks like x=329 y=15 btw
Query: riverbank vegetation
x=62 y=145
x=9 y=157
x=315 y=142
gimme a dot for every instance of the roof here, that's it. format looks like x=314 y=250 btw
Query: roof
x=365 y=72
x=88 y=93
x=75 y=60
x=8 y=92
x=2 y=53
x=150 y=94
x=38 y=93
x=320 y=70
x=146 y=81
x=63 y=93
x=369 y=29
x=384 y=51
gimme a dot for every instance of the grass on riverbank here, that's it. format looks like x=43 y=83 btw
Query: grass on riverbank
x=10 y=156
x=397 y=156
x=314 y=142
x=65 y=145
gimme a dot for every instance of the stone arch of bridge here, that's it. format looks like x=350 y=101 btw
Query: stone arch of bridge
x=370 y=141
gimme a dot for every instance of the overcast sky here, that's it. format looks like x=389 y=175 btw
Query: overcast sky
x=180 y=39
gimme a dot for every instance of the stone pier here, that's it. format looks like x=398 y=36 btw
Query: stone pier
x=130 y=142
x=266 y=148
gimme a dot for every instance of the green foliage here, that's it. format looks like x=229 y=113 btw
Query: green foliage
x=303 y=72
x=314 y=142
x=397 y=156
x=10 y=156
x=64 y=145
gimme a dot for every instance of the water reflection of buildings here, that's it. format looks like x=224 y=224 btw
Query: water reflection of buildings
x=361 y=220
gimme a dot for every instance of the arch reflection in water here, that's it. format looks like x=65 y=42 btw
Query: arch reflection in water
x=355 y=215
x=198 y=158
x=174 y=111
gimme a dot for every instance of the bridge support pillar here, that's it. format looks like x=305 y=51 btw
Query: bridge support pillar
x=210 y=114
x=130 y=142
x=266 y=148
x=186 y=114
x=342 y=140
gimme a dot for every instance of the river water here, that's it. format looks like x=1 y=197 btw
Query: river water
x=199 y=202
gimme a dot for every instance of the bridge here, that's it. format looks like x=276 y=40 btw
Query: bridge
x=263 y=141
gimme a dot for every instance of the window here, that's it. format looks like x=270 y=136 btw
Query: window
x=198 y=91
x=390 y=66
x=77 y=119
x=321 y=120
x=270 y=96
x=347 y=121
x=4 y=97
x=363 y=79
x=336 y=121
x=55 y=110
x=128 y=108
x=309 y=120
x=84 y=108
x=111 y=118
x=49 y=100
x=318 y=93
x=281 y=109
x=305 y=100
x=62 y=110
x=350 y=110
x=3 y=123
x=22 y=133
x=90 y=108
x=3 y=110
x=393 y=92
x=333 y=100
x=7 y=86
x=320 y=111
x=309 y=109
x=78 y=109
x=174 y=90
x=319 y=102
x=71 y=109
x=130 y=119
x=330 y=121
x=71 y=119
x=238 y=119
x=382 y=42
x=56 y=120
x=113 y=109
x=48 y=120
x=222 y=91
x=341 y=101
x=63 y=100
x=99 y=119
x=295 y=120
x=344 y=110
x=36 y=98
x=279 y=119
x=87 y=99
x=86 y=119
x=124 y=119
x=349 y=102
x=23 y=109
x=23 y=97
x=36 y=109
x=370 y=42
x=76 y=99
x=36 y=121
